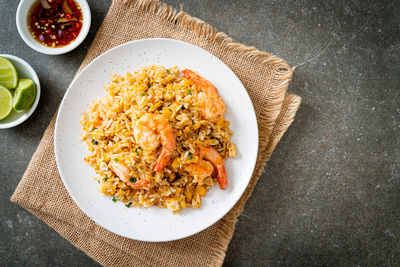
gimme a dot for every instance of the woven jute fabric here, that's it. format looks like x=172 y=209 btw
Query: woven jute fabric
x=265 y=78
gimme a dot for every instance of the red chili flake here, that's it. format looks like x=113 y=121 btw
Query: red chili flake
x=49 y=28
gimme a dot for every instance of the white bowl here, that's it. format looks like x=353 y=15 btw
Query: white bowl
x=22 y=25
x=24 y=71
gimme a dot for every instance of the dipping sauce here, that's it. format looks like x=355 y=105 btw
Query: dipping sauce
x=55 y=23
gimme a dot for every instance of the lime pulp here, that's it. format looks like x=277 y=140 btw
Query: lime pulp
x=8 y=74
x=5 y=102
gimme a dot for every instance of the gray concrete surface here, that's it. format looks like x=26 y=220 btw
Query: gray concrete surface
x=329 y=195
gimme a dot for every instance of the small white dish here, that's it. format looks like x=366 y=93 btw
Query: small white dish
x=153 y=224
x=22 y=25
x=24 y=71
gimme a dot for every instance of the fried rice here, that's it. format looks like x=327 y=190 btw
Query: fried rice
x=108 y=129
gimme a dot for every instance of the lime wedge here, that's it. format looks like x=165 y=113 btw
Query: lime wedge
x=5 y=102
x=24 y=95
x=8 y=74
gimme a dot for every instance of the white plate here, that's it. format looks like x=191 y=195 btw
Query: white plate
x=153 y=224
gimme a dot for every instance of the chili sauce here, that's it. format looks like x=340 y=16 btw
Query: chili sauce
x=55 y=23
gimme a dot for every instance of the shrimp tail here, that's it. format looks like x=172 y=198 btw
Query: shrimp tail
x=190 y=75
x=212 y=107
x=215 y=158
x=221 y=176
x=197 y=79
x=162 y=160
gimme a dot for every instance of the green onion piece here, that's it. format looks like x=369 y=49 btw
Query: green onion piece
x=98 y=181
x=143 y=94
x=129 y=204
x=105 y=179
x=133 y=179
x=189 y=91
x=190 y=155
x=114 y=200
x=95 y=142
x=180 y=100
x=116 y=159
x=137 y=151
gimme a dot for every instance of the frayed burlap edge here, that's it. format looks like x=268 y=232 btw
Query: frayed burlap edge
x=273 y=121
x=269 y=115
x=225 y=233
x=283 y=73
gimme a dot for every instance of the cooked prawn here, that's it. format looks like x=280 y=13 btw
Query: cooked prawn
x=150 y=131
x=122 y=171
x=212 y=107
x=204 y=168
x=201 y=169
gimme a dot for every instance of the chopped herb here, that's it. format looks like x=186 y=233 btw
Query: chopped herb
x=133 y=179
x=105 y=179
x=180 y=100
x=137 y=151
x=150 y=85
x=129 y=204
x=183 y=108
x=94 y=128
x=189 y=91
x=190 y=155
x=98 y=181
x=116 y=159
x=114 y=200
x=143 y=94
x=168 y=71
x=95 y=142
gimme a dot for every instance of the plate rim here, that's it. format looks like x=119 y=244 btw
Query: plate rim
x=56 y=126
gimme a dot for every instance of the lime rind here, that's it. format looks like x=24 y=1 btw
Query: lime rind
x=24 y=95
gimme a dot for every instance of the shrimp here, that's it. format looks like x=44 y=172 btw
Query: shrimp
x=122 y=171
x=150 y=131
x=201 y=169
x=212 y=107
x=204 y=168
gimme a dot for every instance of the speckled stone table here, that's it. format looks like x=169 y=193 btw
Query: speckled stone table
x=330 y=194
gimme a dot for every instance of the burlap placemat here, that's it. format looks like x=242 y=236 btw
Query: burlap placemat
x=265 y=77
